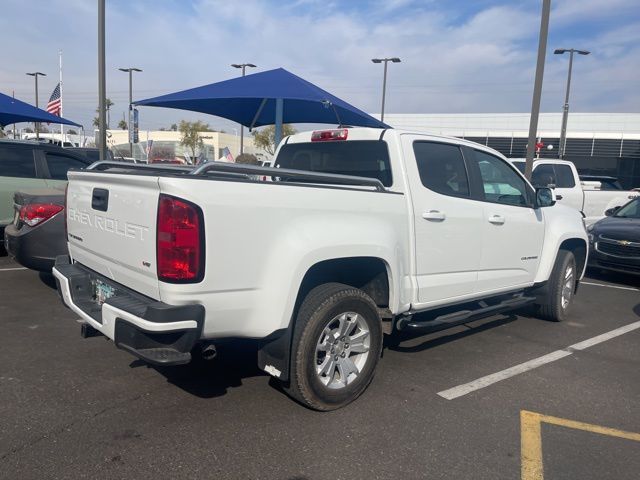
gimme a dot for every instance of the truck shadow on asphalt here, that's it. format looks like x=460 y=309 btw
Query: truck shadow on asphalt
x=236 y=361
x=444 y=336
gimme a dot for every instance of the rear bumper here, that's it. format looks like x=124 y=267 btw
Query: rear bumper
x=35 y=248
x=158 y=333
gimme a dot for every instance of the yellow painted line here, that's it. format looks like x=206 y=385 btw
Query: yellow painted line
x=532 y=467
x=530 y=446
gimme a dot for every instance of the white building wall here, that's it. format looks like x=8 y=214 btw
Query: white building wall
x=580 y=125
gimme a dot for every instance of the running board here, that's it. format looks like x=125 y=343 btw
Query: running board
x=462 y=316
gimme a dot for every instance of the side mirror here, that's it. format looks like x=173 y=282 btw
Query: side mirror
x=610 y=211
x=545 y=197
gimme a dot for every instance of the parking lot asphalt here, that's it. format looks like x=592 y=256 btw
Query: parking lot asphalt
x=80 y=408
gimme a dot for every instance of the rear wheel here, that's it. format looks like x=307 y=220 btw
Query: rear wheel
x=336 y=346
x=561 y=287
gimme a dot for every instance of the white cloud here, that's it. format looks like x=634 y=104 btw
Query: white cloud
x=482 y=63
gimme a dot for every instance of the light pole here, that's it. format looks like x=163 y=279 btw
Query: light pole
x=243 y=66
x=130 y=70
x=35 y=75
x=102 y=82
x=565 y=108
x=384 y=78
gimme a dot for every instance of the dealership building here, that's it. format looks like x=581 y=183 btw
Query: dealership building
x=156 y=145
x=597 y=143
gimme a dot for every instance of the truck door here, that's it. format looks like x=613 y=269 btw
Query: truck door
x=448 y=223
x=513 y=231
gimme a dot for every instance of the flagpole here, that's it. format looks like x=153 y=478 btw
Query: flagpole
x=61 y=125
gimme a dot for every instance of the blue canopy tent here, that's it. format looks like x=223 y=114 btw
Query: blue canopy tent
x=267 y=98
x=16 y=111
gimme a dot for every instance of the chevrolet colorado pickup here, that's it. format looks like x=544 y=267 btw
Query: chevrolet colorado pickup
x=355 y=233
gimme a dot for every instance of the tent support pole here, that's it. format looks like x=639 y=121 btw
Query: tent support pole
x=255 y=117
x=279 y=115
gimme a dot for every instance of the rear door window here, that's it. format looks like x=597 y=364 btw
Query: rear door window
x=17 y=162
x=59 y=165
x=361 y=158
x=442 y=169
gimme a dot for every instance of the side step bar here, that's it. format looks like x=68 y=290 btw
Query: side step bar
x=462 y=316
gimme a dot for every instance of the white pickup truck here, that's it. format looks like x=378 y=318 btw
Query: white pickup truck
x=563 y=177
x=355 y=234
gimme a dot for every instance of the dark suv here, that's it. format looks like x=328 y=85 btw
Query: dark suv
x=28 y=165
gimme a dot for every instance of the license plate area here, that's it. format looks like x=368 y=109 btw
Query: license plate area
x=101 y=291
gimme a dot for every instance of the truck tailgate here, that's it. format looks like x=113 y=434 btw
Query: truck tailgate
x=111 y=222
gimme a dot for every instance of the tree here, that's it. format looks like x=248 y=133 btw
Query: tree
x=266 y=138
x=43 y=129
x=28 y=130
x=190 y=135
x=122 y=125
x=96 y=120
x=173 y=127
x=71 y=131
x=247 y=159
x=2 y=134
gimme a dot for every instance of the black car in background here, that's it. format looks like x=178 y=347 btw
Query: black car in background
x=615 y=240
x=37 y=235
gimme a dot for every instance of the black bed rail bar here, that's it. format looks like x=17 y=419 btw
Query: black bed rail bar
x=243 y=171
x=104 y=164
x=288 y=173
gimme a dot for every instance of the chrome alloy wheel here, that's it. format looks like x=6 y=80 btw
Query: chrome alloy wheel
x=342 y=350
x=568 y=286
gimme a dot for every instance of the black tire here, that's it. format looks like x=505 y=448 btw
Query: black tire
x=550 y=306
x=320 y=307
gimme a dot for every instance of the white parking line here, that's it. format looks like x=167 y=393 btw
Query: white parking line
x=611 y=286
x=482 y=382
x=12 y=269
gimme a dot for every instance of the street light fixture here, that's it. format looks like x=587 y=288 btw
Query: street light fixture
x=243 y=66
x=565 y=109
x=35 y=75
x=130 y=70
x=384 y=80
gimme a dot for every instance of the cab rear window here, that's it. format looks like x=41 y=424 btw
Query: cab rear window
x=362 y=158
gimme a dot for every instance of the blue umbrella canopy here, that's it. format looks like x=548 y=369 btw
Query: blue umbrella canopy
x=253 y=101
x=16 y=111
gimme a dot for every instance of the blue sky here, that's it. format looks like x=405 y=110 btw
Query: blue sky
x=457 y=56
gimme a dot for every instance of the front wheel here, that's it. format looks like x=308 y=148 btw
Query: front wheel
x=336 y=346
x=561 y=288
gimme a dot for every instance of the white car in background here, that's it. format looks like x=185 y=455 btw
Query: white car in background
x=586 y=196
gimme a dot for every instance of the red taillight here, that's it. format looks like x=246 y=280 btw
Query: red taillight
x=329 y=135
x=37 y=213
x=180 y=241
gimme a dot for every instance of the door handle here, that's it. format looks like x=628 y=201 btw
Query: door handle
x=496 y=219
x=434 y=215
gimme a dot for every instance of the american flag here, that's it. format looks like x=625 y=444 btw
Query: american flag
x=226 y=156
x=54 y=106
